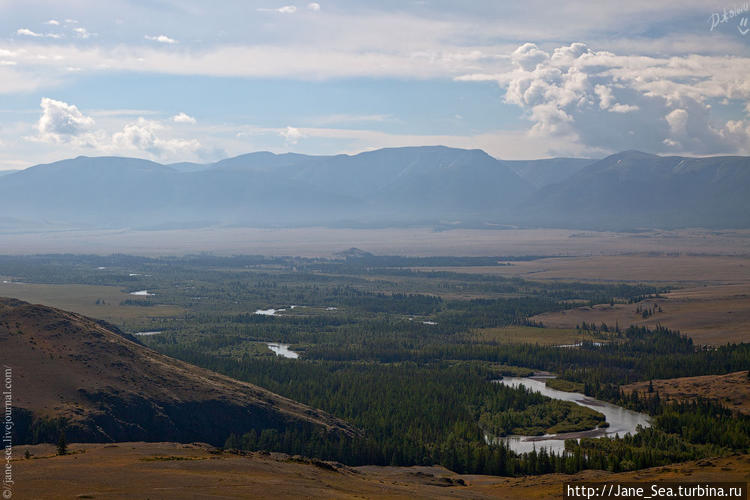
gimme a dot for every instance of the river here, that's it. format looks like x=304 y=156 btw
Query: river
x=282 y=350
x=621 y=421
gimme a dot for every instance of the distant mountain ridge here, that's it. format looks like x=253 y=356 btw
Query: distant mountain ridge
x=428 y=185
x=633 y=189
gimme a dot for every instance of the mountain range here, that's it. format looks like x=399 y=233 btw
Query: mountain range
x=386 y=187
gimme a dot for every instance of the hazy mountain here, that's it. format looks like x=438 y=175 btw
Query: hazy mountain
x=417 y=177
x=110 y=388
x=8 y=172
x=128 y=192
x=541 y=173
x=386 y=187
x=634 y=189
x=187 y=166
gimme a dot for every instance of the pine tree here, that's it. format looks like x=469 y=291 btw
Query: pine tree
x=62 y=444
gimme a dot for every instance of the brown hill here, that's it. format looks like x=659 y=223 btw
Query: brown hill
x=109 y=387
x=181 y=471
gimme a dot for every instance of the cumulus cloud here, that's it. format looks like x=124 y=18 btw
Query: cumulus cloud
x=53 y=22
x=144 y=136
x=314 y=6
x=160 y=39
x=63 y=123
x=607 y=101
x=183 y=118
x=599 y=99
x=677 y=121
x=291 y=135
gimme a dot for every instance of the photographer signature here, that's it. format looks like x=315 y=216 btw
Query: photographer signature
x=727 y=15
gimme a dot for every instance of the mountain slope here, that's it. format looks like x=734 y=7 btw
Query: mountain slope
x=101 y=192
x=638 y=190
x=544 y=172
x=110 y=388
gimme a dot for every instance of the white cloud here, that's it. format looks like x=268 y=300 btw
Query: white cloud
x=571 y=91
x=27 y=32
x=623 y=108
x=528 y=56
x=82 y=33
x=678 y=120
x=62 y=122
x=183 y=118
x=286 y=9
x=506 y=144
x=53 y=22
x=161 y=39
x=607 y=101
x=351 y=118
x=291 y=135
x=33 y=34
x=14 y=81
x=143 y=136
x=301 y=62
x=314 y=6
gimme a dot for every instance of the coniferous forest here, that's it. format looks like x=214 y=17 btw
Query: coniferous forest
x=407 y=349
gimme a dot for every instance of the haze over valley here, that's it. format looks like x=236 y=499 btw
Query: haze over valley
x=354 y=249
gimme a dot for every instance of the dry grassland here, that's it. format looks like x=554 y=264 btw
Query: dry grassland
x=732 y=389
x=176 y=471
x=82 y=299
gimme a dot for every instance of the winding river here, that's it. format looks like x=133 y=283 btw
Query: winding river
x=621 y=421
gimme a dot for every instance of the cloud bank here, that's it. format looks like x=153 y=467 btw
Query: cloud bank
x=598 y=99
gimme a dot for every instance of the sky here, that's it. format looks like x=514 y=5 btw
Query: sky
x=183 y=80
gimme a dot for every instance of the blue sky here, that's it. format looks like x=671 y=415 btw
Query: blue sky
x=198 y=81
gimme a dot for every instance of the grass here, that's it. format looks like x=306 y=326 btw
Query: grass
x=531 y=335
x=82 y=299
x=170 y=458
x=713 y=315
x=564 y=385
x=731 y=389
x=511 y=371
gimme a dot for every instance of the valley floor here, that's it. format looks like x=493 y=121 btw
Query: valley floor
x=181 y=471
